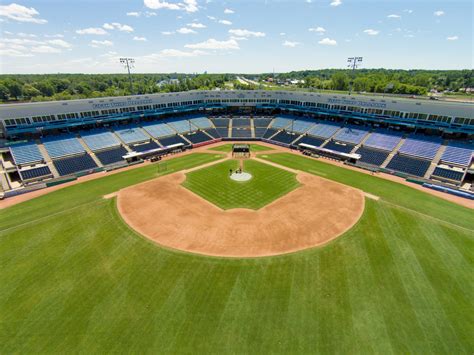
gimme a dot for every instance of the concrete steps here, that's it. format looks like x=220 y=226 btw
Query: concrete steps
x=360 y=144
x=390 y=156
x=435 y=161
x=90 y=152
x=47 y=158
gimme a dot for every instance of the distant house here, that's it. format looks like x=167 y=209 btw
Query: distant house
x=167 y=82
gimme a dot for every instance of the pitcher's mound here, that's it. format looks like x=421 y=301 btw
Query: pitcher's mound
x=241 y=176
x=174 y=217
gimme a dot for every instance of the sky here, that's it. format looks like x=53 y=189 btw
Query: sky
x=239 y=36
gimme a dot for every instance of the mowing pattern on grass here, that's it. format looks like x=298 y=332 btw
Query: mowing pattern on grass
x=267 y=184
x=253 y=148
x=74 y=278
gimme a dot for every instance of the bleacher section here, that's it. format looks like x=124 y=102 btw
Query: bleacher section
x=284 y=137
x=458 y=154
x=201 y=122
x=324 y=130
x=383 y=140
x=99 y=139
x=139 y=148
x=220 y=122
x=270 y=132
x=35 y=173
x=316 y=142
x=213 y=132
x=167 y=141
x=26 y=153
x=181 y=126
x=74 y=164
x=157 y=130
x=351 y=135
x=259 y=131
x=62 y=146
x=241 y=132
x=372 y=156
x=240 y=122
x=197 y=137
x=132 y=135
x=223 y=131
x=408 y=165
x=301 y=126
x=111 y=156
x=448 y=174
x=343 y=148
x=262 y=122
x=280 y=122
x=421 y=147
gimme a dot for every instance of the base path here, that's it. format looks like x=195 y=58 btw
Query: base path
x=172 y=216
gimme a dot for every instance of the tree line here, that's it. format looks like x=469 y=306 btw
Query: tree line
x=32 y=87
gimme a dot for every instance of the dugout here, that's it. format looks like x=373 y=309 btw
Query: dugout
x=241 y=150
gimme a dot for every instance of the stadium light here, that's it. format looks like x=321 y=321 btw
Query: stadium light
x=354 y=63
x=128 y=63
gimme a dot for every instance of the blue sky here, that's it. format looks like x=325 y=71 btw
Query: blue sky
x=251 y=36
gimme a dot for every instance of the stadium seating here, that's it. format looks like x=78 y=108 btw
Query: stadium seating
x=74 y=164
x=408 y=165
x=350 y=135
x=241 y=122
x=284 y=137
x=167 y=141
x=448 y=174
x=213 y=132
x=372 y=156
x=198 y=137
x=343 y=148
x=181 y=126
x=139 y=148
x=262 y=121
x=111 y=156
x=26 y=153
x=220 y=122
x=99 y=139
x=158 y=130
x=35 y=173
x=421 y=147
x=270 y=132
x=385 y=140
x=316 y=142
x=223 y=131
x=259 y=131
x=324 y=130
x=62 y=146
x=281 y=122
x=201 y=122
x=132 y=135
x=300 y=126
x=241 y=133
x=458 y=153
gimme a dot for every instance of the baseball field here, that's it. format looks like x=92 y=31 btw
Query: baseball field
x=77 y=276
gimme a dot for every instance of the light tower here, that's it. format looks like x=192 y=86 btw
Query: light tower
x=354 y=63
x=128 y=63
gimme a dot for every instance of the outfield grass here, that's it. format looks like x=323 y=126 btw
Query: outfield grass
x=253 y=148
x=267 y=184
x=75 y=278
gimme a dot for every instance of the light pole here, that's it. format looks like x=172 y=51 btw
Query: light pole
x=354 y=63
x=128 y=63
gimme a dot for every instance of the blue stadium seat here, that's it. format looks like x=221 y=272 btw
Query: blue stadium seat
x=262 y=121
x=158 y=130
x=284 y=137
x=139 y=148
x=372 y=156
x=74 y=164
x=62 y=146
x=100 y=139
x=458 y=153
x=316 y=142
x=270 y=132
x=421 y=146
x=408 y=165
x=201 y=122
x=241 y=122
x=351 y=135
x=111 y=156
x=35 y=173
x=223 y=131
x=343 y=148
x=26 y=153
x=197 y=137
x=213 y=132
x=241 y=132
x=181 y=126
x=448 y=174
x=131 y=134
x=167 y=141
x=324 y=130
x=220 y=122
x=260 y=131
x=384 y=140
x=281 y=122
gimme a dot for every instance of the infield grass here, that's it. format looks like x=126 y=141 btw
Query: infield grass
x=75 y=279
x=267 y=184
x=253 y=148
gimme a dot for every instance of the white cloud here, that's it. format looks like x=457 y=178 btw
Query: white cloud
x=92 y=31
x=97 y=44
x=142 y=39
x=60 y=43
x=133 y=13
x=336 y=3
x=186 y=5
x=452 y=38
x=215 y=44
x=196 y=25
x=30 y=35
x=409 y=11
x=45 y=49
x=167 y=33
x=319 y=29
x=282 y=34
x=328 y=42
x=394 y=16
x=290 y=44
x=371 y=32
x=118 y=26
x=225 y=22
x=21 y=13
x=438 y=13
x=185 y=31
x=229 y=11
x=246 y=33
x=55 y=36
x=212 y=18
